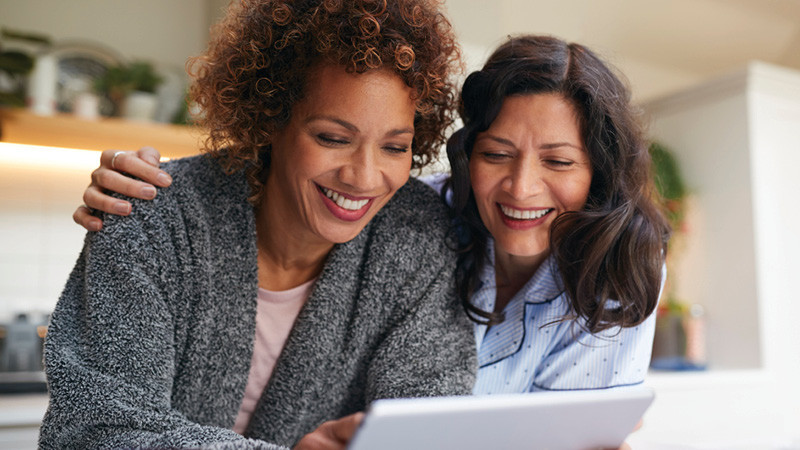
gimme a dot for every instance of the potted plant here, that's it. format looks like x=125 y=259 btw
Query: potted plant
x=16 y=64
x=131 y=89
x=679 y=342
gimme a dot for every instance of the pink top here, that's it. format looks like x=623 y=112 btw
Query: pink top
x=276 y=313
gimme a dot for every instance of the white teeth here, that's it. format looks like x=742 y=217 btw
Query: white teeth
x=346 y=203
x=524 y=215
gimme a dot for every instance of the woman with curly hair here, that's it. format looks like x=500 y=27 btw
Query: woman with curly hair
x=287 y=278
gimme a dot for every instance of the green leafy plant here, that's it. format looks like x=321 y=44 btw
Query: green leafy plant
x=15 y=65
x=121 y=80
x=671 y=349
x=669 y=184
x=673 y=192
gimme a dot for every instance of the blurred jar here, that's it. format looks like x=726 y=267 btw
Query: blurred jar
x=42 y=85
x=680 y=338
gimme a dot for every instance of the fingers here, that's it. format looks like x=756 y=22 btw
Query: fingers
x=343 y=429
x=150 y=155
x=83 y=217
x=331 y=435
x=110 y=180
x=142 y=164
x=96 y=199
x=624 y=446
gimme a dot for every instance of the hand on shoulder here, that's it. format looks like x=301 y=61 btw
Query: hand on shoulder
x=116 y=174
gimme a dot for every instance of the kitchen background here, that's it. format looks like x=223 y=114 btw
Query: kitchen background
x=719 y=79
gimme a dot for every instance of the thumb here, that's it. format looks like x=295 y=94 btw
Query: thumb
x=343 y=429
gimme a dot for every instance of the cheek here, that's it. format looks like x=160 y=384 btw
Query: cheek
x=482 y=189
x=475 y=180
x=397 y=171
x=482 y=181
x=303 y=161
x=575 y=192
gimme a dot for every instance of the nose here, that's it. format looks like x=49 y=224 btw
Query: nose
x=361 y=169
x=524 y=179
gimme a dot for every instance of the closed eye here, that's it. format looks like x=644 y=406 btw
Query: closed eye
x=494 y=156
x=331 y=141
x=558 y=163
x=396 y=149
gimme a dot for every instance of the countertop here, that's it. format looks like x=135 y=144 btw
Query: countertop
x=22 y=410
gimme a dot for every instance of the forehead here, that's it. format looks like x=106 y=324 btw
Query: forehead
x=546 y=115
x=333 y=85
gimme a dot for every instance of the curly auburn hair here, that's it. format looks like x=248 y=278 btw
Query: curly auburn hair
x=610 y=254
x=257 y=63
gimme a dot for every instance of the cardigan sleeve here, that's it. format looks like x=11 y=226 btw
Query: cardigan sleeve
x=431 y=350
x=110 y=354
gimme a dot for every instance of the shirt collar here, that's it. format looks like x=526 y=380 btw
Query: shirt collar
x=506 y=338
x=543 y=286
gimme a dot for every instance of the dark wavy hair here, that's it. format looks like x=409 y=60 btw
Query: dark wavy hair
x=259 y=57
x=610 y=254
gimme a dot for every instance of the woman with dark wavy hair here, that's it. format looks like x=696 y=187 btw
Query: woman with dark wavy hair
x=561 y=244
x=287 y=278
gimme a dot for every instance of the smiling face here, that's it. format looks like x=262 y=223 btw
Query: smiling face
x=526 y=169
x=344 y=153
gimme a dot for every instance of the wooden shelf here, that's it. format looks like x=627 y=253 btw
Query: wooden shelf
x=63 y=130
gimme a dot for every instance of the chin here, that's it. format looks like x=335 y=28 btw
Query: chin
x=523 y=249
x=340 y=236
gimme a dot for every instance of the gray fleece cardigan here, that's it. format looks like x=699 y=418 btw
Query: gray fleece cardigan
x=151 y=340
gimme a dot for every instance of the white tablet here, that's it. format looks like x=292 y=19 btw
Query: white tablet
x=543 y=420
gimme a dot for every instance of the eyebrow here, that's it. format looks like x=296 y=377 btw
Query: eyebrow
x=560 y=144
x=353 y=128
x=547 y=146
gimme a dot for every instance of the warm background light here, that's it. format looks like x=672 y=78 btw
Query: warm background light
x=44 y=157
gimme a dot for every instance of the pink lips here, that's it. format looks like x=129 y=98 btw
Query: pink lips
x=521 y=224
x=345 y=214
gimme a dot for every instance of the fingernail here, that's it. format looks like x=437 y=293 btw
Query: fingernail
x=94 y=225
x=153 y=160
x=164 y=179
x=148 y=192
x=122 y=208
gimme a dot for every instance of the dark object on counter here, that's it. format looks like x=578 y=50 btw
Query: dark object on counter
x=679 y=343
x=21 y=344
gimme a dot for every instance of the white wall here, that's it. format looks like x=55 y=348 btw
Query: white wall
x=662 y=46
x=707 y=128
x=162 y=31
x=736 y=139
x=775 y=161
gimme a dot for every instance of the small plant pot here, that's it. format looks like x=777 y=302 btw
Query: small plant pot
x=140 y=106
x=86 y=106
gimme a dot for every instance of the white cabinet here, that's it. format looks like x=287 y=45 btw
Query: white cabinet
x=737 y=139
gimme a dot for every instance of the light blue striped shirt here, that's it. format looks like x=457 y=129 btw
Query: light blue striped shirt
x=533 y=351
